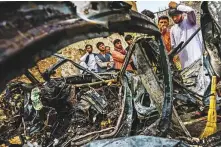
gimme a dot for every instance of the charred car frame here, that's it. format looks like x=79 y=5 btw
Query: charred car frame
x=61 y=110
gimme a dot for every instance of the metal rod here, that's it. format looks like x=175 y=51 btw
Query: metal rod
x=128 y=55
x=86 y=135
x=127 y=59
x=80 y=67
x=31 y=77
x=191 y=37
x=181 y=123
x=166 y=115
x=49 y=71
x=182 y=45
x=96 y=83
x=198 y=96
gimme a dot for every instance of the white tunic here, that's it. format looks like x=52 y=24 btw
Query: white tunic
x=181 y=32
x=91 y=65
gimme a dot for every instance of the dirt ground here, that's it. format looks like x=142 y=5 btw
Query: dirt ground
x=197 y=128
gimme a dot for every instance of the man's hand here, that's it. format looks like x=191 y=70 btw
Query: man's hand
x=163 y=30
x=108 y=64
x=173 y=5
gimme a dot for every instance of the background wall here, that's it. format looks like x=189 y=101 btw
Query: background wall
x=73 y=52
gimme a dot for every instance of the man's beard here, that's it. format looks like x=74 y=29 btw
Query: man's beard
x=181 y=19
x=102 y=50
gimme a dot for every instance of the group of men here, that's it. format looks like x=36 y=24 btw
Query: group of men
x=107 y=60
x=185 y=25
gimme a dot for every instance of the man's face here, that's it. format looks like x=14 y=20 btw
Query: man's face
x=118 y=45
x=89 y=49
x=177 y=18
x=101 y=47
x=163 y=23
x=107 y=49
x=129 y=42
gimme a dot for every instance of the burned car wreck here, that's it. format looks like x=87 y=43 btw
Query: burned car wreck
x=76 y=110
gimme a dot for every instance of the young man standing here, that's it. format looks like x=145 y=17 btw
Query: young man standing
x=88 y=60
x=163 y=24
x=119 y=55
x=184 y=27
x=104 y=61
x=129 y=40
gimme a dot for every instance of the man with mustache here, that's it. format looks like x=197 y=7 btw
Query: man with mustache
x=163 y=24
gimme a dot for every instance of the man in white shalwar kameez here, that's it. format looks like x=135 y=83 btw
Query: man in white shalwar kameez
x=185 y=26
x=88 y=60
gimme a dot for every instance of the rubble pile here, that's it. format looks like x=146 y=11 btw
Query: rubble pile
x=48 y=114
x=156 y=104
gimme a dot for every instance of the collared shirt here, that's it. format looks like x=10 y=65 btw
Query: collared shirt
x=182 y=32
x=91 y=63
